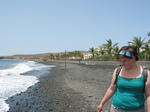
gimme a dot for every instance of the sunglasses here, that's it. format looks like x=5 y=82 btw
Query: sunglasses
x=126 y=53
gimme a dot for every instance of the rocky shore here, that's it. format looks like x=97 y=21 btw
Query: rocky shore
x=76 y=87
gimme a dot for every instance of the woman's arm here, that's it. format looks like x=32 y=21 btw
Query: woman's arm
x=109 y=93
x=147 y=91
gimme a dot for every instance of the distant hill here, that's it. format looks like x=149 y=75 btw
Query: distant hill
x=42 y=55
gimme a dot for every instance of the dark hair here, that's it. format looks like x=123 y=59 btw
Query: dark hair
x=132 y=49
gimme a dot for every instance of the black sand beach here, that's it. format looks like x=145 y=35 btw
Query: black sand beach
x=79 y=88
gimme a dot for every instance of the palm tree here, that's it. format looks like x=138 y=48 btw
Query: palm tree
x=70 y=54
x=116 y=49
x=58 y=57
x=138 y=42
x=101 y=50
x=51 y=56
x=79 y=54
x=146 y=51
x=75 y=54
x=110 y=47
x=92 y=50
x=148 y=34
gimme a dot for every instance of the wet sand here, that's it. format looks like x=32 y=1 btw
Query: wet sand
x=78 y=88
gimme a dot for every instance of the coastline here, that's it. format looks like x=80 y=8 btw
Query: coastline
x=79 y=88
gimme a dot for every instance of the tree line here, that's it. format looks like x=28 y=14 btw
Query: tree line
x=108 y=51
x=75 y=55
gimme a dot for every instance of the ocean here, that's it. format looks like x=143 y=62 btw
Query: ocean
x=17 y=76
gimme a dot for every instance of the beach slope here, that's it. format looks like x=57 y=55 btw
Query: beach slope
x=78 y=87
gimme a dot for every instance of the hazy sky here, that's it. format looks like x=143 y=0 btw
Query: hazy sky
x=42 y=26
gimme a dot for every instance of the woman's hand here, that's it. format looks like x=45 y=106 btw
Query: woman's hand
x=99 y=108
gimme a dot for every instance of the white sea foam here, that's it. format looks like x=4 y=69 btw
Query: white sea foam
x=12 y=82
x=17 y=70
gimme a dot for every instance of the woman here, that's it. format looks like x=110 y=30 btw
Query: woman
x=130 y=91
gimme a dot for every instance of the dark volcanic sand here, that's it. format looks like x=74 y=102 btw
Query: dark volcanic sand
x=79 y=88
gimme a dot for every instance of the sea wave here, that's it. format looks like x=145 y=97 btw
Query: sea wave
x=16 y=70
x=14 y=81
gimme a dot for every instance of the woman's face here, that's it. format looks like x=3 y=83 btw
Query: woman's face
x=125 y=61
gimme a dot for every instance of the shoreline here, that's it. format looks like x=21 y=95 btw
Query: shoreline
x=79 y=88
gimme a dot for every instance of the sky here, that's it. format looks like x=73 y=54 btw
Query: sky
x=51 y=26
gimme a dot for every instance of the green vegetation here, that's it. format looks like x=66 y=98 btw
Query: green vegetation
x=109 y=50
x=75 y=55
